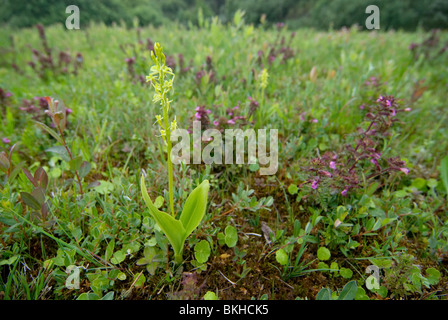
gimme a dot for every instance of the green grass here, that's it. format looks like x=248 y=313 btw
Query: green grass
x=399 y=218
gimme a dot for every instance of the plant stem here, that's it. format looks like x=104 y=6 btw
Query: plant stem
x=170 y=163
x=360 y=142
x=166 y=105
x=178 y=257
x=71 y=158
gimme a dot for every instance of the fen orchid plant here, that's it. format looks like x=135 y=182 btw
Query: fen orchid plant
x=176 y=229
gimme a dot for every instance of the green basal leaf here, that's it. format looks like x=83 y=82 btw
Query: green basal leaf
x=231 y=236
x=88 y=296
x=159 y=202
x=323 y=254
x=346 y=273
x=324 y=294
x=433 y=275
x=444 y=172
x=194 y=207
x=118 y=257
x=210 y=296
x=281 y=256
x=202 y=251
x=349 y=291
x=173 y=229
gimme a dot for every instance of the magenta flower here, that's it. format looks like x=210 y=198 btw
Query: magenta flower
x=315 y=184
x=231 y=121
x=6 y=141
x=375 y=162
x=376 y=155
x=344 y=192
x=333 y=165
x=405 y=170
x=127 y=60
x=216 y=122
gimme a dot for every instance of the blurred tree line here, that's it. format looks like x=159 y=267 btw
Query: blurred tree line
x=319 y=14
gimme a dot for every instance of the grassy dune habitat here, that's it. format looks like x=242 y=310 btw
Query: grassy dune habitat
x=92 y=207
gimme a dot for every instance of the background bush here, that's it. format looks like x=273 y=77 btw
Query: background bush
x=320 y=14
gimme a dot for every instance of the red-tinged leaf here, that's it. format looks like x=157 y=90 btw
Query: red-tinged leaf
x=44 y=210
x=30 y=200
x=4 y=162
x=39 y=194
x=41 y=178
x=29 y=176
x=11 y=151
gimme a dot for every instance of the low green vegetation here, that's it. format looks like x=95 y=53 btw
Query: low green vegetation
x=91 y=206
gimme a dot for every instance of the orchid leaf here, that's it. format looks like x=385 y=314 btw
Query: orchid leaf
x=173 y=229
x=194 y=207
